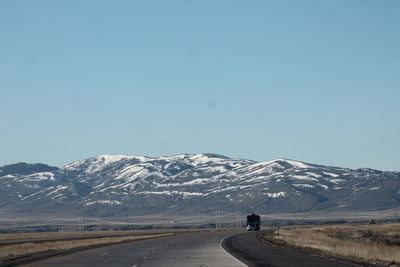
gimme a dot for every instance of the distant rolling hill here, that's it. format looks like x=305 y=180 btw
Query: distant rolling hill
x=110 y=185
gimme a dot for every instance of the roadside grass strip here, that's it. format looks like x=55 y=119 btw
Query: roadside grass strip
x=371 y=243
x=15 y=251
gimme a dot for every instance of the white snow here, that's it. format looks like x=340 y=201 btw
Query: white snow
x=155 y=193
x=109 y=202
x=182 y=193
x=276 y=195
x=331 y=174
x=131 y=169
x=98 y=186
x=337 y=188
x=375 y=188
x=173 y=158
x=304 y=177
x=270 y=164
x=337 y=181
x=8 y=176
x=212 y=169
x=257 y=178
x=42 y=176
x=57 y=196
x=229 y=188
x=304 y=185
x=34 y=186
x=128 y=180
x=59 y=188
x=198 y=181
x=294 y=163
x=107 y=159
x=323 y=186
x=99 y=162
x=34 y=194
x=313 y=174
x=199 y=159
x=102 y=161
x=32 y=177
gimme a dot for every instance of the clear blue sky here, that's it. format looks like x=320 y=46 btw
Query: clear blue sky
x=316 y=81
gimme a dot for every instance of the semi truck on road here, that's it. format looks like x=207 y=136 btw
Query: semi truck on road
x=253 y=222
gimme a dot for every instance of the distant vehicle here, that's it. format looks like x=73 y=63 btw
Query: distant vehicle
x=371 y=222
x=253 y=222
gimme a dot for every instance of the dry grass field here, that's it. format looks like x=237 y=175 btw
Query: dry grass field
x=372 y=243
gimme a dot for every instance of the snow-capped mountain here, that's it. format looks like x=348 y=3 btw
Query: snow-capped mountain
x=107 y=185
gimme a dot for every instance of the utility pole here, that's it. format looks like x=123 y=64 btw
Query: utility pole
x=219 y=218
x=83 y=224
x=216 y=219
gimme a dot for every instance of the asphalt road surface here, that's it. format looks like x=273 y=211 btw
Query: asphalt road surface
x=253 y=252
x=194 y=249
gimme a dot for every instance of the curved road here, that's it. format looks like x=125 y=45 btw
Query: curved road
x=194 y=249
x=253 y=252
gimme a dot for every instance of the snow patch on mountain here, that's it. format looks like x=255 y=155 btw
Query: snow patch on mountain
x=58 y=188
x=42 y=176
x=375 y=188
x=331 y=174
x=9 y=176
x=304 y=185
x=276 y=195
x=293 y=163
x=337 y=181
x=209 y=179
x=304 y=177
x=313 y=174
x=104 y=202
x=180 y=193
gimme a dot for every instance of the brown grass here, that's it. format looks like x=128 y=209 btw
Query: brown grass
x=9 y=252
x=61 y=235
x=366 y=242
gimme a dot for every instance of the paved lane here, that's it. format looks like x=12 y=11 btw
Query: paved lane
x=195 y=249
x=253 y=252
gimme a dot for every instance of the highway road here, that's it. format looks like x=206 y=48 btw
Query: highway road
x=253 y=252
x=193 y=249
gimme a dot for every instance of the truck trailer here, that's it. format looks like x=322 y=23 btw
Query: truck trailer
x=253 y=222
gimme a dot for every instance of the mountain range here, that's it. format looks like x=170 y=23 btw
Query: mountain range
x=109 y=185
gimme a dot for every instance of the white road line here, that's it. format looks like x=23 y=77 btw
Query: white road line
x=220 y=246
